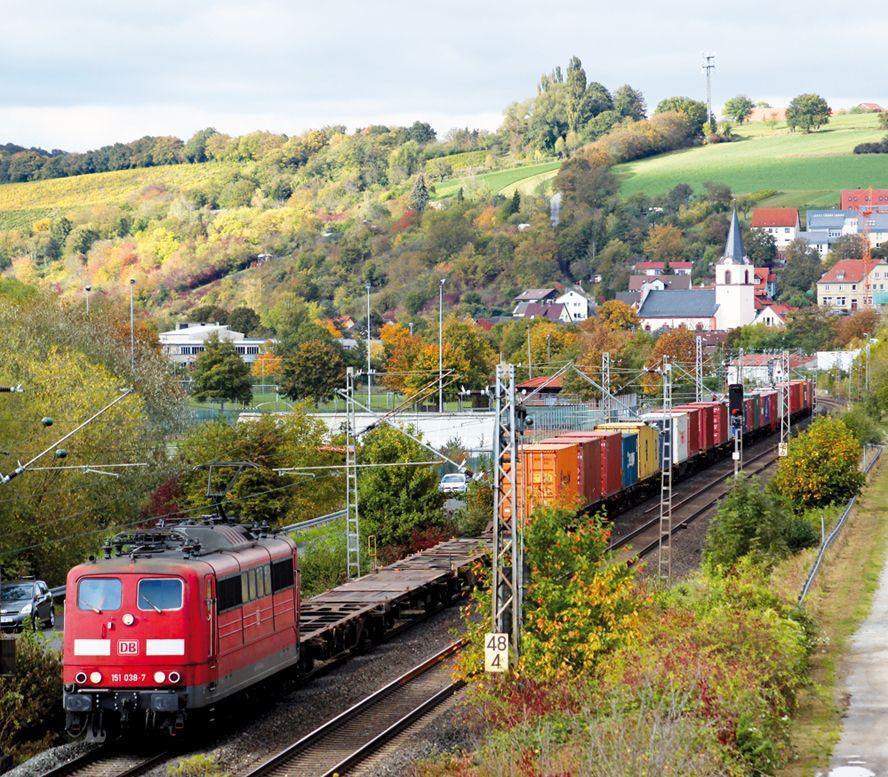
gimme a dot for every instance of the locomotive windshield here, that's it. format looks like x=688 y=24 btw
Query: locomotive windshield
x=99 y=593
x=160 y=594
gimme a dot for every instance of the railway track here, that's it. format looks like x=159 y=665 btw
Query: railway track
x=344 y=742
x=697 y=503
x=103 y=762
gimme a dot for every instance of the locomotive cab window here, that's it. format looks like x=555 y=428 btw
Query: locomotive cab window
x=99 y=594
x=160 y=594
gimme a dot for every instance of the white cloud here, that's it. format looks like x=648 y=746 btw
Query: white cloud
x=80 y=74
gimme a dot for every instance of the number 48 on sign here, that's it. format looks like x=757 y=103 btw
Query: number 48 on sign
x=496 y=652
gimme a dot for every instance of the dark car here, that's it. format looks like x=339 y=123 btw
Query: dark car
x=24 y=599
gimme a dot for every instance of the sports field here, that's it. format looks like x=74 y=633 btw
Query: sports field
x=804 y=170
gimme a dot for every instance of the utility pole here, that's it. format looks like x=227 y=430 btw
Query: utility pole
x=698 y=370
x=87 y=289
x=866 y=366
x=132 y=330
x=785 y=420
x=549 y=349
x=529 y=356
x=664 y=551
x=508 y=539
x=708 y=66
x=740 y=367
x=606 y=384
x=352 y=522
x=369 y=367
x=441 y=345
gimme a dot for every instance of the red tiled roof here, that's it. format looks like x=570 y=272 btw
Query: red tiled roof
x=662 y=265
x=775 y=217
x=555 y=384
x=762 y=360
x=855 y=198
x=850 y=270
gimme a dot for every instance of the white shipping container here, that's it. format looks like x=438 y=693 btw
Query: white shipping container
x=679 y=439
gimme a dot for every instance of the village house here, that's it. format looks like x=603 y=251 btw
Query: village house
x=854 y=284
x=659 y=268
x=780 y=223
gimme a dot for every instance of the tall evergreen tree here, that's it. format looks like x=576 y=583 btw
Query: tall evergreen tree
x=419 y=197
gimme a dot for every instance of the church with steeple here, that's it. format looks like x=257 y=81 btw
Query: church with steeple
x=727 y=305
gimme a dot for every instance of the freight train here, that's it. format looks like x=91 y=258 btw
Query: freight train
x=616 y=464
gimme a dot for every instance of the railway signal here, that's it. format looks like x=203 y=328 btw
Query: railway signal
x=735 y=409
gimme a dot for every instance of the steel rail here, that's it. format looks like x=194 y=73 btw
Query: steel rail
x=283 y=761
x=101 y=762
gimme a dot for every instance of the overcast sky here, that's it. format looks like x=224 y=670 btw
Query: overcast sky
x=76 y=75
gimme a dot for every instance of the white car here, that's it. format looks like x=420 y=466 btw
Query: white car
x=455 y=483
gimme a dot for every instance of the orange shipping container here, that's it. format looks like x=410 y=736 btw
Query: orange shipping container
x=548 y=474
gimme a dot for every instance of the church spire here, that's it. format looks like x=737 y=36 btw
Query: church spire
x=734 y=251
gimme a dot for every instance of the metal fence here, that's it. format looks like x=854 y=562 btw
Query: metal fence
x=830 y=538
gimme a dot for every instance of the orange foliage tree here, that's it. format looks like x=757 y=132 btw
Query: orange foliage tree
x=681 y=346
x=267 y=364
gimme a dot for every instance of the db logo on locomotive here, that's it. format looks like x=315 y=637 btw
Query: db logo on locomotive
x=127 y=647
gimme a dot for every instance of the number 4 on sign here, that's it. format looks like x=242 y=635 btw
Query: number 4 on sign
x=496 y=652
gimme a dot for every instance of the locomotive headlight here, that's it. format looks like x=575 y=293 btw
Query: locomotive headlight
x=159 y=677
x=128 y=619
x=95 y=678
x=80 y=678
x=175 y=677
x=26 y=610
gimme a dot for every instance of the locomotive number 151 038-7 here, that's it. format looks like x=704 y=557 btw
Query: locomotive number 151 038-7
x=128 y=677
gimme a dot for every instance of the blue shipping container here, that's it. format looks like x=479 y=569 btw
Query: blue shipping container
x=630 y=459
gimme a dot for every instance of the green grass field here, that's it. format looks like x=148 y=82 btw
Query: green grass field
x=806 y=170
x=497 y=181
x=23 y=203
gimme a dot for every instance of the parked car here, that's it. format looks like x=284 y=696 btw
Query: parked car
x=454 y=483
x=24 y=599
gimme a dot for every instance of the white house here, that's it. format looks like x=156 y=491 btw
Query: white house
x=771 y=314
x=780 y=223
x=578 y=304
x=183 y=344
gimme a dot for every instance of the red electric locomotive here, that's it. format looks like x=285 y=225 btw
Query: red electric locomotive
x=171 y=621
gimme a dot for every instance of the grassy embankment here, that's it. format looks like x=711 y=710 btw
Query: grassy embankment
x=525 y=178
x=805 y=170
x=838 y=603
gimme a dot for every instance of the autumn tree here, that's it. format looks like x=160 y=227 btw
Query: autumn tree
x=267 y=365
x=219 y=374
x=400 y=349
x=822 y=466
x=856 y=326
x=615 y=314
x=680 y=345
x=271 y=442
x=664 y=242
x=580 y=607
x=313 y=371
x=551 y=345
